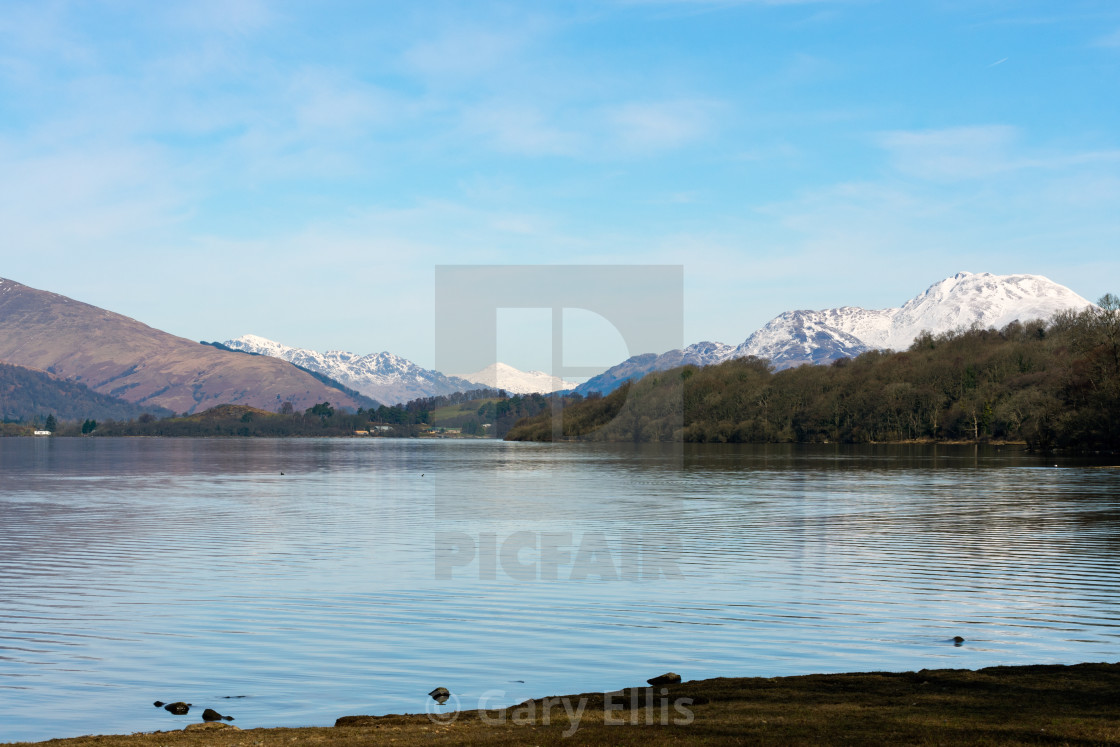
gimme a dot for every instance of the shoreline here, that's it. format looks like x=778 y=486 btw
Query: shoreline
x=1026 y=704
x=999 y=443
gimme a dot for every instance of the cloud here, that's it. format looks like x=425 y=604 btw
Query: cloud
x=724 y=3
x=460 y=52
x=522 y=129
x=229 y=17
x=52 y=202
x=949 y=197
x=1108 y=40
x=953 y=153
x=620 y=130
x=326 y=101
x=659 y=125
x=977 y=152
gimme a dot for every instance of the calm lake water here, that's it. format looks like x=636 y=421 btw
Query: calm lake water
x=371 y=571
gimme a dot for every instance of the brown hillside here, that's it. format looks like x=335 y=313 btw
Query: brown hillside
x=116 y=355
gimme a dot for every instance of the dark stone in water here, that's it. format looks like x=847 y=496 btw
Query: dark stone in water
x=958 y=640
x=669 y=678
x=211 y=715
x=158 y=704
x=179 y=709
x=440 y=695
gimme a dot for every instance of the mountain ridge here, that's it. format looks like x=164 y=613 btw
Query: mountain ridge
x=384 y=376
x=116 y=355
x=805 y=336
x=393 y=379
x=515 y=381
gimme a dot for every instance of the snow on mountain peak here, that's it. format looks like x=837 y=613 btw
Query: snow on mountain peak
x=981 y=299
x=803 y=336
x=258 y=344
x=959 y=302
x=390 y=378
x=503 y=376
x=792 y=338
x=706 y=353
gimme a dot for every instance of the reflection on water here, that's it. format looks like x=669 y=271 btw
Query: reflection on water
x=135 y=570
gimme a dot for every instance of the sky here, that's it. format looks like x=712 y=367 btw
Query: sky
x=298 y=170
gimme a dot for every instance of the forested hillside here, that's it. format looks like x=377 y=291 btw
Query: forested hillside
x=27 y=395
x=1052 y=383
x=467 y=410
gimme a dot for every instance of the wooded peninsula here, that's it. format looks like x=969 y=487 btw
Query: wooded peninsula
x=1046 y=383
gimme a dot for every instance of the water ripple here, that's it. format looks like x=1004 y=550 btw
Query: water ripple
x=140 y=569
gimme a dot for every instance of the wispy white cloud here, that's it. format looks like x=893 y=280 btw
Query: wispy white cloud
x=972 y=197
x=231 y=17
x=779 y=150
x=1108 y=40
x=700 y=8
x=804 y=68
x=657 y=125
x=52 y=202
x=42 y=32
x=621 y=130
x=326 y=102
x=952 y=153
x=978 y=152
x=521 y=129
x=725 y=3
x=463 y=52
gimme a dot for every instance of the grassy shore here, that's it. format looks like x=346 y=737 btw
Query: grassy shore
x=1051 y=705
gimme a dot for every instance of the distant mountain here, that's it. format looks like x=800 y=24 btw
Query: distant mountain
x=26 y=394
x=392 y=379
x=386 y=377
x=798 y=337
x=363 y=400
x=115 y=355
x=697 y=354
x=959 y=302
x=515 y=381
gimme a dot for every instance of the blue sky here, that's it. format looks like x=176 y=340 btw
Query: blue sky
x=297 y=170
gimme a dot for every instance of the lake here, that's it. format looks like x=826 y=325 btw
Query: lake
x=374 y=570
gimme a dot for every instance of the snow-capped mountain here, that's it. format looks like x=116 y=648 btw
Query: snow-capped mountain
x=697 y=354
x=959 y=302
x=383 y=376
x=392 y=379
x=515 y=381
x=797 y=337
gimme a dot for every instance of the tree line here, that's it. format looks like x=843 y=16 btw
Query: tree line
x=476 y=408
x=1052 y=383
x=470 y=410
